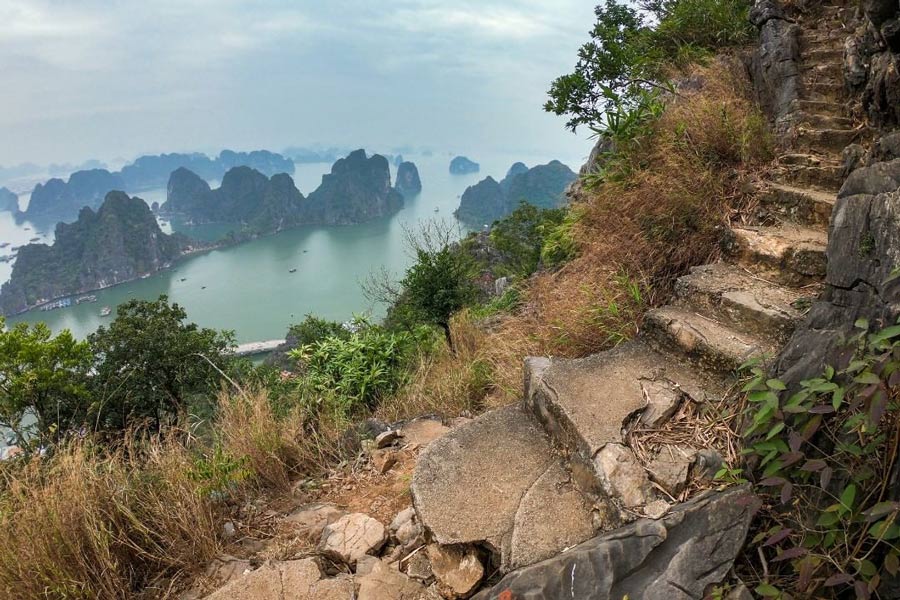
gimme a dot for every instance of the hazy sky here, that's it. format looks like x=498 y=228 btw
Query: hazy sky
x=115 y=78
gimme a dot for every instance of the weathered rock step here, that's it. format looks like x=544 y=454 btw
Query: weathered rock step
x=804 y=206
x=703 y=340
x=826 y=139
x=736 y=298
x=497 y=483
x=824 y=90
x=585 y=403
x=678 y=557
x=788 y=254
x=809 y=159
x=823 y=121
x=820 y=107
x=825 y=177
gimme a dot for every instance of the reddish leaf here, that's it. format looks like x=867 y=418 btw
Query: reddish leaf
x=795 y=441
x=778 y=536
x=791 y=458
x=894 y=379
x=787 y=492
x=825 y=477
x=839 y=579
x=862 y=590
x=790 y=554
x=813 y=465
x=821 y=409
x=811 y=427
x=773 y=481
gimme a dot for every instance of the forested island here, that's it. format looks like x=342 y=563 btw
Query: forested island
x=119 y=242
x=543 y=186
x=358 y=189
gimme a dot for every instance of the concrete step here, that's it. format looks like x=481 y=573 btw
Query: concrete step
x=585 y=405
x=737 y=299
x=787 y=254
x=824 y=140
x=826 y=177
x=799 y=205
x=496 y=483
x=703 y=340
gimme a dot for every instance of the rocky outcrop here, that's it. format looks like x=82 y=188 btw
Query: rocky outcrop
x=543 y=186
x=246 y=196
x=676 y=557
x=9 y=202
x=58 y=200
x=775 y=63
x=357 y=189
x=118 y=243
x=863 y=250
x=408 y=182
x=871 y=58
x=460 y=165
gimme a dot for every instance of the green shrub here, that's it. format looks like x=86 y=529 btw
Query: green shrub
x=520 y=236
x=824 y=457
x=559 y=243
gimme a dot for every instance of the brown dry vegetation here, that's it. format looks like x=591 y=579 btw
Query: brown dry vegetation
x=635 y=236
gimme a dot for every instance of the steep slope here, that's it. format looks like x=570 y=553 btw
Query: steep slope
x=58 y=200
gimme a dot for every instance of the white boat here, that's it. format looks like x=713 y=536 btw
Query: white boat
x=105 y=311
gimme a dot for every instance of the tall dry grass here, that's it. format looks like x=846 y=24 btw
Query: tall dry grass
x=635 y=236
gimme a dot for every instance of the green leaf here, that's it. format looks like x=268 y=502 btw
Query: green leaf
x=829 y=372
x=848 y=496
x=861 y=324
x=868 y=378
x=827 y=519
x=767 y=591
x=775 y=384
x=775 y=430
x=837 y=398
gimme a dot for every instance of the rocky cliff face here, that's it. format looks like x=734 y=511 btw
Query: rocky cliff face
x=408 y=182
x=58 y=200
x=246 y=196
x=8 y=201
x=543 y=186
x=461 y=165
x=119 y=242
x=871 y=56
x=357 y=189
x=153 y=171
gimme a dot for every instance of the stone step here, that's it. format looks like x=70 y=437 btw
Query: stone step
x=823 y=121
x=585 y=404
x=703 y=340
x=788 y=254
x=740 y=300
x=496 y=483
x=834 y=140
x=803 y=206
x=824 y=90
x=825 y=177
x=834 y=109
x=823 y=55
x=807 y=159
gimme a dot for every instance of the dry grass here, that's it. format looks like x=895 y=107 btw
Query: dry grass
x=89 y=525
x=635 y=237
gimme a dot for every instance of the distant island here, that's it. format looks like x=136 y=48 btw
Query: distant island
x=357 y=189
x=301 y=155
x=543 y=186
x=119 y=242
x=9 y=202
x=408 y=182
x=463 y=166
x=58 y=200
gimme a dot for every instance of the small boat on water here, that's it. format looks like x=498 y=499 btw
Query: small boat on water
x=183 y=279
x=202 y=287
x=437 y=209
x=35 y=239
x=292 y=271
x=88 y=298
x=105 y=311
x=64 y=303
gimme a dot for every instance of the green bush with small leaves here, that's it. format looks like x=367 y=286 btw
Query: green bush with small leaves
x=825 y=459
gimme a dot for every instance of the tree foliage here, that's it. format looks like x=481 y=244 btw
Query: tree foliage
x=150 y=362
x=41 y=375
x=631 y=49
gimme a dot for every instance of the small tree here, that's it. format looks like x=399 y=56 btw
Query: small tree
x=42 y=375
x=439 y=282
x=149 y=362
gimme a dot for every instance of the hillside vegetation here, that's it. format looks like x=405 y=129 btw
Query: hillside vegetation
x=164 y=435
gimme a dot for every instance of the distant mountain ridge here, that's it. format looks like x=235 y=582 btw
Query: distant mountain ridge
x=357 y=189
x=119 y=242
x=543 y=186
x=9 y=201
x=58 y=200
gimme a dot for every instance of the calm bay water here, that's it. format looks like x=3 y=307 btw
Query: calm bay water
x=249 y=288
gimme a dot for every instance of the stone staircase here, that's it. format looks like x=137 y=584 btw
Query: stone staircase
x=525 y=482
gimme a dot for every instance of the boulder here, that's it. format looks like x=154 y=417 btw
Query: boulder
x=386 y=438
x=775 y=64
x=663 y=400
x=309 y=521
x=407 y=531
x=296 y=579
x=457 y=569
x=671 y=468
x=676 y=557
x=421 y=432
x=383 y=582
x=384 y=459
x=352 y=537
x=622 y=476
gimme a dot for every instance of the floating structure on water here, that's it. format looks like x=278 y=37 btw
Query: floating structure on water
x=62 y=303
x=88 y=298
x=105 y=311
